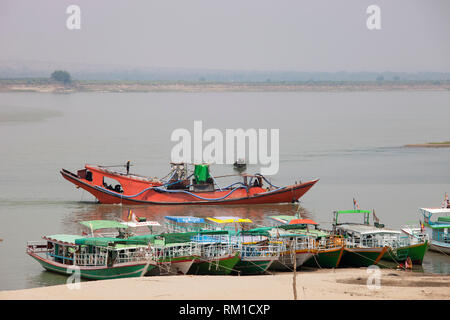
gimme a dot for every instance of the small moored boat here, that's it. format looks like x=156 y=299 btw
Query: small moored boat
x=328 y=248
x=93 y=258
x=437 y=229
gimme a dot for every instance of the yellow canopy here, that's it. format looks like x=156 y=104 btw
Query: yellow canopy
x=229 y=220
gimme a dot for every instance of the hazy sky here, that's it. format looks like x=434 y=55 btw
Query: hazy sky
x=312 y=35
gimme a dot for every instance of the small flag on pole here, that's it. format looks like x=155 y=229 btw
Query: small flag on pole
x=132 y=216
x=355 y=205
x=375 y=216
x=446 y=203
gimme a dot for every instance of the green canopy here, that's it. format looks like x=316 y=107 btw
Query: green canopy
x=353 y=211
x=67 y=238
x=144 y=238
x=106 y=242
x=103 y=224
x=444 y=219
x=257 y=232
x=366 y=214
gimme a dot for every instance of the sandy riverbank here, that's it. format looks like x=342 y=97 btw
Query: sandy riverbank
x=319 y=284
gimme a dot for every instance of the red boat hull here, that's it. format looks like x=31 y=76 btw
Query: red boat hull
x=147 y=194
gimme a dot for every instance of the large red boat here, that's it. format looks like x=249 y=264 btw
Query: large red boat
x=179 y=188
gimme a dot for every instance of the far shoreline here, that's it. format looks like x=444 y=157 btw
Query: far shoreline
x=444 y=144
x=48 y=86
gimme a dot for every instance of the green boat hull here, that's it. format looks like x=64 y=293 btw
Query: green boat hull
x=116 y=272
x=252 y=267
x=326 y=258
x=219 y=267
x=361 y=257
x=415 y=252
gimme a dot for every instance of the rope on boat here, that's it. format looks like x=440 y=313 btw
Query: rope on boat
x=144 y=271
x=317 y=262
x=393 y=258
x=378 y=263
x=175 y=191
x=215 y=182
x=259 y=267
x=159 y=188
x=266 y=180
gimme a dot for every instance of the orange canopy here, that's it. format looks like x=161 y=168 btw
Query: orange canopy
x=302 y=221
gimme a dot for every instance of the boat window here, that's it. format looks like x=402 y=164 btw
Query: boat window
x=112 y=184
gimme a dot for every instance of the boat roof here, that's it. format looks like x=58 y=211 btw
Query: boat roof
x=185 y=219
x=436 y=210
x=365 y=229
x=292 y=220
x=303 y=221
x=282 y=218
x=133 y=224
x=286 y=233
x=144 y=237
x=63 y=238
x=179 y=237
x=103 y=224
x=439 y=225
x=229 y=220
x=105 y=242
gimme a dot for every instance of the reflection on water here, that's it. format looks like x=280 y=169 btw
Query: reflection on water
x=47 y=278
x=436 y=263
x=14 y=114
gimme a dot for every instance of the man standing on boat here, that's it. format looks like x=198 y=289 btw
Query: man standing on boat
x=128 y=167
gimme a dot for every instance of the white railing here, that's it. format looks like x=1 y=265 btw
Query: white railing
x=256 y=251
x=91 y=259
x=142 y=254
x=217 y=250
x=170 y=252
x=386 y=241
x=37 y=247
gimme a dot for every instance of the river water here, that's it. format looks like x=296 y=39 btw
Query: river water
x=352 y=141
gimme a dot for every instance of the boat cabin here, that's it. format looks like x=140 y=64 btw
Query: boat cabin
x=437 y=223
x=368 y=236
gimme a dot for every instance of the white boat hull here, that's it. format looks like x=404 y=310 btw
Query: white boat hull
x=440 y=247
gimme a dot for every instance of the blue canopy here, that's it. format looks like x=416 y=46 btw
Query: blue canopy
x=185 y=219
